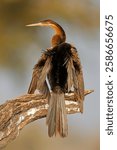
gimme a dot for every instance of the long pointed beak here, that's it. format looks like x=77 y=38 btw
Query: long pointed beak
x=35 y=24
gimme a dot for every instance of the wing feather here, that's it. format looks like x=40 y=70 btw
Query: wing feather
x=35 y=78
x=75 y=77
x=39 y=78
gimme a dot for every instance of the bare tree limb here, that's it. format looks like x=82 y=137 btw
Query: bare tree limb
x=18 y=112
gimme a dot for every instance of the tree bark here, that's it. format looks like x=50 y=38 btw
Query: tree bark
x=18 y=112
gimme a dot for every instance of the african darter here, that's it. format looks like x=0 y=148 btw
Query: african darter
x=57 y=72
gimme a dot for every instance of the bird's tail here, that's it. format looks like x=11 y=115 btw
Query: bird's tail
x=57 y=117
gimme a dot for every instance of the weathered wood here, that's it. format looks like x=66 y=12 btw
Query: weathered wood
x=18 y=112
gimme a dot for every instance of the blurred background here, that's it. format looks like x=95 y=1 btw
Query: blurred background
x=20 y=49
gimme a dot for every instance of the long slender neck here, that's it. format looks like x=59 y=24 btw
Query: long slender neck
x=60 y=35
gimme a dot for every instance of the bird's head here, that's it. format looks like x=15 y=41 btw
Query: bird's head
x=59 y=37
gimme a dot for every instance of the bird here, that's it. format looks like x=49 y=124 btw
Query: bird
x=57 y=72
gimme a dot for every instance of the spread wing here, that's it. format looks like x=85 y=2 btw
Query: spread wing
x=75 y=77
x=40 y=71
x=35 y=78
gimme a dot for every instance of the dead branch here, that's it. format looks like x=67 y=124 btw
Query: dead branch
x=18 y=112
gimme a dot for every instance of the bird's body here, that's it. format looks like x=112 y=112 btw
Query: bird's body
x=58 y=74
x=61 y=66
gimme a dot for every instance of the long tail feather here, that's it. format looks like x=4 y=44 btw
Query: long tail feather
x=57 y=117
